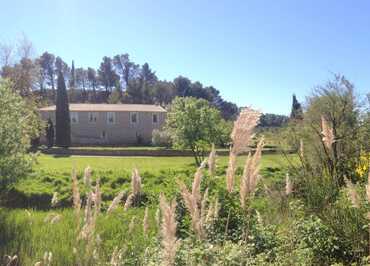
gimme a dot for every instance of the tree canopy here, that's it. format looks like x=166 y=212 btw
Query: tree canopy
x=129 y=81
x=194 y=124
x=19 y=124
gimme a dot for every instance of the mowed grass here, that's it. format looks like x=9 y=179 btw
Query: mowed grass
x=151 y=164
x=159 y=174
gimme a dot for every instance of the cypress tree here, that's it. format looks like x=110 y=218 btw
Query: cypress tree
x=50 y=133
x=62 y=118
x=297 y=111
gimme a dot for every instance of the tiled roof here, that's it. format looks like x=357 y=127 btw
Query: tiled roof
x=83 y=107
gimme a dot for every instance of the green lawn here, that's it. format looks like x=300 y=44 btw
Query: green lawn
x=152 y=164
x=159 y=174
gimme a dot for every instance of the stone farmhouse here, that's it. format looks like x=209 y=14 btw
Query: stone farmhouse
x=111 y=124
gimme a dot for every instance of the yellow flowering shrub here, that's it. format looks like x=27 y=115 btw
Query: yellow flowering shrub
x=363 y=166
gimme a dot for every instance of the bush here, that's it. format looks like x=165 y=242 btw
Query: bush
x=193 y=124
x=19 y=125
x=161 y=138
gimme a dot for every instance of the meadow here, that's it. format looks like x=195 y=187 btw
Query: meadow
x=53 y=174
x=29 y=232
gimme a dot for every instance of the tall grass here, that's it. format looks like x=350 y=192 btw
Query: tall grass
x=209 y=222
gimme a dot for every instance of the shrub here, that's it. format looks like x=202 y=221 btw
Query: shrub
x=161 y=138
x=19 y=124
x=50 y=133
x=193 y=124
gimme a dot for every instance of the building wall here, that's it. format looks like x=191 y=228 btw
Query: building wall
x=121 y=132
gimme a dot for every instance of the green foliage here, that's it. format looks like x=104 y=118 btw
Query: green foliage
x=273 y=120
x=62 y=117
x=322 y=170
x=193 y=124
x=115 y=96
x=161 y=138
x=50 y=133
x=19 y=124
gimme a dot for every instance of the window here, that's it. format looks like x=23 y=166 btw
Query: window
x=111 y=118
x=134 y=118
x=93 y=117
x=155 y=118
x=74 y=117
x=103 y=135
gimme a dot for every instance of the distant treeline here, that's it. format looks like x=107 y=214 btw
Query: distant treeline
x=117 y=80
x=273 y=120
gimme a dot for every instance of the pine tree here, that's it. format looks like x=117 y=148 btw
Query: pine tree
x=63 y=123
x=50 y=133
x=72 y=83
x=297 y=111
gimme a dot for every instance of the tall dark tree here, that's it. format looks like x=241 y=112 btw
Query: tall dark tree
x=81 y=82
x=72 y=79
x=147 y=75
x=106 y=74
x=135 y=91
x=182 y=86
x=47 y=62
x=72 y=83
x=23 y=76
x=164 y=92
x=63 y=67
x=148 y=80
x=62 y=118
x=93 y=83
x=125 y=68
x=50 y=133
x=297 y=111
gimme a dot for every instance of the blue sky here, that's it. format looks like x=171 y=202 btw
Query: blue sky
x=256 y=53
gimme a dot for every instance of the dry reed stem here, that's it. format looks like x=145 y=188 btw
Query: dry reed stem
x=158 y=218
x=212 y=161
x=243 y=129
x=87 y=177
x=97 y=198
x=116 y=257
x=259 y=217
x=196 y=182
x=54 y=200
x=46 y=261
x=192 y=206
x=251 y=176
x=129 y=201
x=88 y=228
x=168 y=231
x=131 y=226
x=52 y=218
x=230 y=172
x=146 y=221
x=88 y=208
x=241 y=136
x=327 y=132
x=368 y=187
x=135 y=182
x=115 y=202
x=203 y=209
x=288 y=185
x=11 y=261
x=76 y=193
x=56 y=219
x=301 y=149
x=352 y=194
x=212 y=213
